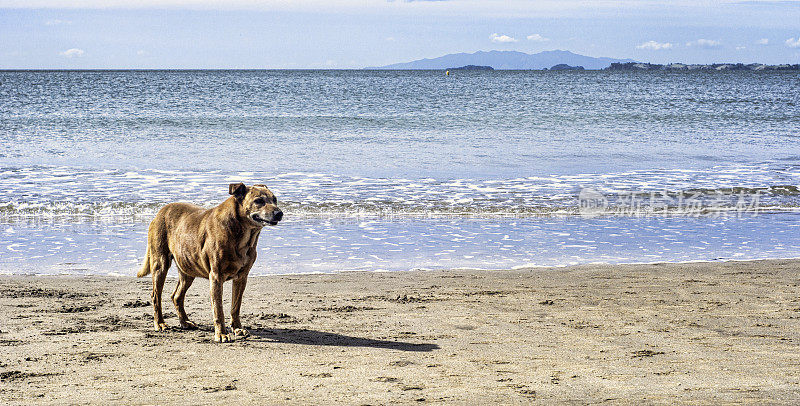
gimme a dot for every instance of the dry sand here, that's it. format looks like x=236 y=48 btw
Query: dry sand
x=664 y=333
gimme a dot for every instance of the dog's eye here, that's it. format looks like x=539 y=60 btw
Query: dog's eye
x=274 y=200
x=260 y=201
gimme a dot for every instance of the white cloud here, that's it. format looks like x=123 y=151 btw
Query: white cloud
x=57 y=22
x=141 y=52
x=762 y=41
x=793 y=43
x=537 y=38
x=502 y=38
x=72 y=52
x=741 y=47
x=655 y=46
x=390 y=39
x=704 y=43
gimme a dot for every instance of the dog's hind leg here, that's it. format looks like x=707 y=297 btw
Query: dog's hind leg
x=184 y=282
x=159 y=265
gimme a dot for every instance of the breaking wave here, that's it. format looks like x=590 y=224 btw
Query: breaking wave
x=48 y=192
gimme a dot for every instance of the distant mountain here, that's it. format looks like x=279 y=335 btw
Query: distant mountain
x=509 y=60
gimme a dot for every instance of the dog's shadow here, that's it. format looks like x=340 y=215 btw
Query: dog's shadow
x=313 y=337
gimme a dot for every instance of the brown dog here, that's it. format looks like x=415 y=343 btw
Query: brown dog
x=218 y=244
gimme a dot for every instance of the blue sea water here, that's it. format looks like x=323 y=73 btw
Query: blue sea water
x=395 y=170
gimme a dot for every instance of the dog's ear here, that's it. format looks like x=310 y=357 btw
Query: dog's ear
x=238 y=190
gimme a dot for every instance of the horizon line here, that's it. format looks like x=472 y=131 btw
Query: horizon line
x=350 y=69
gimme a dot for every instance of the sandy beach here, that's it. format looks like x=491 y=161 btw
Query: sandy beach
x=662 y=333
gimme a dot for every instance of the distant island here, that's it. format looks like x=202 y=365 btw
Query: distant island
x=472 y=67
x=636 y=66
x=508 y=60
x=563 y=60
x=563 y=66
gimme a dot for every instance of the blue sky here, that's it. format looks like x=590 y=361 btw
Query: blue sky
x=359 y=33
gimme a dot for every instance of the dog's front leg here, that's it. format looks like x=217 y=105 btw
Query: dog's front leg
x=236 y=304
x=220 y=333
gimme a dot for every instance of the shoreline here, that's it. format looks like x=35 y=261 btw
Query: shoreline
x=702 y=332
x=525 y=267
x=333 y=246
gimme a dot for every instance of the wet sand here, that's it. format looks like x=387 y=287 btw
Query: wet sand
x=663 y=333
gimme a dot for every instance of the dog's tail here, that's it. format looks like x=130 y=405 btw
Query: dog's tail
x=146 y=267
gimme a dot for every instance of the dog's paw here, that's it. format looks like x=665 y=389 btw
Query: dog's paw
x=223 y=338
x=188 y=325
x=240 y=332
x=161 y=327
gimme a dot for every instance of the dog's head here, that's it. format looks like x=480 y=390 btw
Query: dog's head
x=257 y=203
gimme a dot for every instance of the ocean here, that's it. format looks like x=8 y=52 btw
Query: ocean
x=400 y=170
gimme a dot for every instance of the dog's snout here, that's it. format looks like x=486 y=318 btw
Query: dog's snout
x=277 y=215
